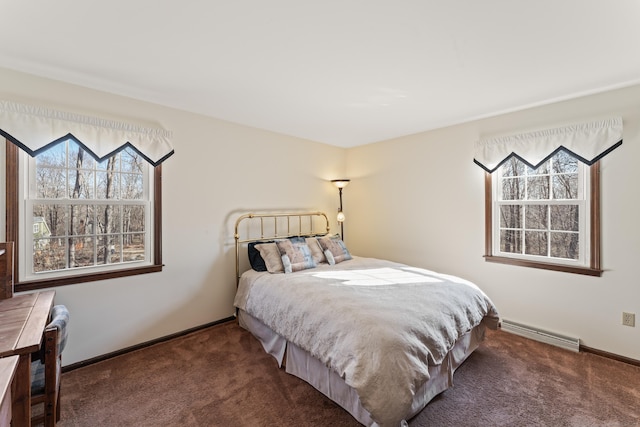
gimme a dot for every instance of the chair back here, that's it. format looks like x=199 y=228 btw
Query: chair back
x=55 y=329
x=59 y=321
x=46 y=372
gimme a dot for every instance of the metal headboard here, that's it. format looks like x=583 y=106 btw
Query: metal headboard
x=258 y=227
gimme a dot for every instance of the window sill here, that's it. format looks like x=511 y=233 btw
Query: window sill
x=72 y=280
x=546 y=266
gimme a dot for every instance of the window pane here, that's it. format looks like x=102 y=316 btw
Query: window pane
x=133 y=220
x=565 y=245
x=565 y=186
x=543 y=169
x=510 y=216
x=536 y=217
x=109 y=219
x=512 y=167
x=80 y=184
x=565 y=217
x=109 y=249
x=40 y=227
x=536 y=243
x=132 y=187
x=73 y=153
x=81 y=219
x=53 y=157
x=133 y=249
x=511 y=241
x=81 y=177
x=81 y=252
x=538 y=187
x=88 y=190
x=112 y=163
x=78 y=157
x=49 y=255
x=512 y=188
x=107 y=185
x=77 y=153
x=564 y=163
x=131 y=161
x=50 y=183
x=52 y=220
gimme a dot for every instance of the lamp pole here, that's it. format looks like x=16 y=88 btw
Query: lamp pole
x=341 y=222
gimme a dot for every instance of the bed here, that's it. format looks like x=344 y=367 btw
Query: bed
x=379 y=338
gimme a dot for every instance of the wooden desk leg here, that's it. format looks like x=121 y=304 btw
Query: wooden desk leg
x=22 y=393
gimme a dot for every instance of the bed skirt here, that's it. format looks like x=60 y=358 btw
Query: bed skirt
x=300 y=363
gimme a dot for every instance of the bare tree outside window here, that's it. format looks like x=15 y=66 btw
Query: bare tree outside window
x=95 y=212
x=539 y=209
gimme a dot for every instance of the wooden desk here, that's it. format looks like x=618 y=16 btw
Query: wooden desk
x=8 y=366
x=22 y=322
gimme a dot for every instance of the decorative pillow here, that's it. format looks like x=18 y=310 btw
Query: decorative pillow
x=271 y=256
x=334 y=249
x=256 y=261
x=295 y=255
x=317 y=253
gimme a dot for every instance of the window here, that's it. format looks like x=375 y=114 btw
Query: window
x=542 y=195
x=73 y=218
x=87 y=220
x=545 y=217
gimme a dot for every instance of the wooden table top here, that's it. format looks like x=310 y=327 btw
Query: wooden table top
x=22 y=322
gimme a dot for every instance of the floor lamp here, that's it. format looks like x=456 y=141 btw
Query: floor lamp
x=341 y=183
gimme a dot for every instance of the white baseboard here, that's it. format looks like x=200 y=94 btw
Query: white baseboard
x=569 y=343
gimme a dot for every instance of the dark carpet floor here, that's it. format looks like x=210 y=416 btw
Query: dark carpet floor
x=221 y=376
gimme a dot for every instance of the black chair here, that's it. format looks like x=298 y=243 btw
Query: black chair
x=46 y=369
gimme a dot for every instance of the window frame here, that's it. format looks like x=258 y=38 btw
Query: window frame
x=13 y=231
x=594 y=268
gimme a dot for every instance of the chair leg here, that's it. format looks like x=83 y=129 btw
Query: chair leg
x=49 y=421
x=52 y=410
x=58 y=407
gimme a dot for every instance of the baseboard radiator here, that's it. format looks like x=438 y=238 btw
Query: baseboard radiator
x=552 y=338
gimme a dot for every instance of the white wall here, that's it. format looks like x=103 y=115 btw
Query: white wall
x=219 y=171
x=420 y=200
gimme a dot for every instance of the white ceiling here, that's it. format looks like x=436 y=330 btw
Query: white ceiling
x=342 y=72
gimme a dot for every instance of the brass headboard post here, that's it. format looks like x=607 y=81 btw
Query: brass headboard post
x=269 y=231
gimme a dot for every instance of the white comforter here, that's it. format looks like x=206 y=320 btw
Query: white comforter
x=379 y=324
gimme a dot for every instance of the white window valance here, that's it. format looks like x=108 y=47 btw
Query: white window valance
x=588 y=142
x=34 y=129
